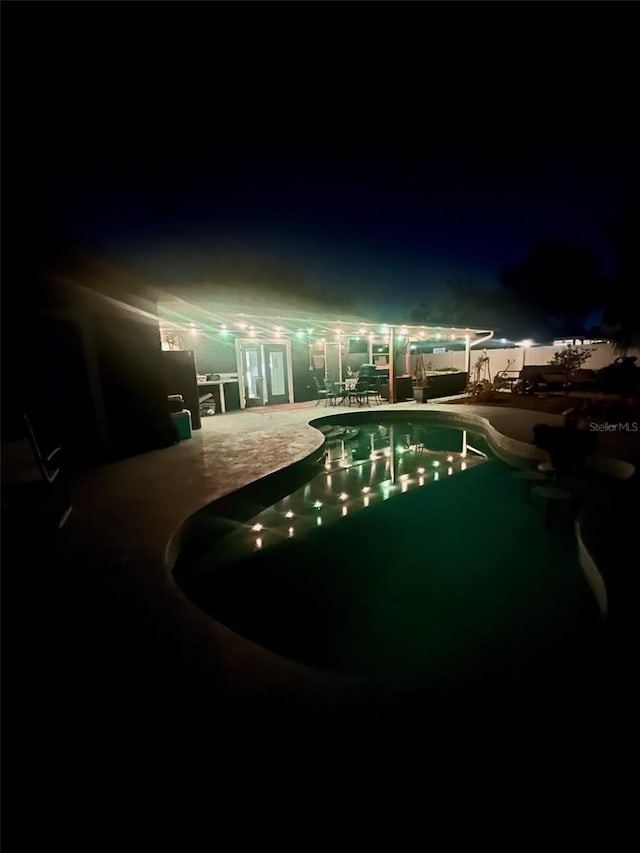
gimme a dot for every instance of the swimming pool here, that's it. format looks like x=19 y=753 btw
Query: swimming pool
x=408 y=555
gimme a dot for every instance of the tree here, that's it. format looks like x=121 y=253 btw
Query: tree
x=467 y=304
x=558 y=284
x=569 y=359
x=621 y=318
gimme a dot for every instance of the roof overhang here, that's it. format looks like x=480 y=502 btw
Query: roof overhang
x=218 y=317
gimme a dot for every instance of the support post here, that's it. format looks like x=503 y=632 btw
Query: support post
x=392 y=371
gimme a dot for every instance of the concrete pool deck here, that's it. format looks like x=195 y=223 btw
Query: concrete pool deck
x=102 y=623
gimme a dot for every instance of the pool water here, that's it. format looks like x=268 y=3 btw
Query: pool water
x=412 y=557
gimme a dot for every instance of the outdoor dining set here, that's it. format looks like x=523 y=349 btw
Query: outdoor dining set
x=357 y=390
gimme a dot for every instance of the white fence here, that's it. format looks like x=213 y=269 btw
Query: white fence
x=602 y=355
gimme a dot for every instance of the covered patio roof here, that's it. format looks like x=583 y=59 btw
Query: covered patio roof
x=280 y=322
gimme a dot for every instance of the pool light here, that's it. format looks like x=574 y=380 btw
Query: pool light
x=288 y=514
x=343 y=496
x=317 y=504
x=257 y=528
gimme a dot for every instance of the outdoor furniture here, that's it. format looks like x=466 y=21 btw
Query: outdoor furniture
x=40 y=469
x=216 y=380
x=326 y=391
x=358 y=393
x=372 y=390
x=345 y=388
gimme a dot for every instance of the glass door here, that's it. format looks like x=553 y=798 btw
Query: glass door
x=253 y=384
x=333 y=362
x=276 y=370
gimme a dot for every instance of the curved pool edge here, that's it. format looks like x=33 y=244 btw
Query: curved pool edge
x=508 y=449
x=172 y=549
x=590 y=570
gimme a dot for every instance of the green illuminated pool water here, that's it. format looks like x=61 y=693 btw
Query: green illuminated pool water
x=412 y=557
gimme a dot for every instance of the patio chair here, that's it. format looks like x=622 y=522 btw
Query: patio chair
x=45 y=470
x=359 y=392
x=372 y=392
x=326 y=391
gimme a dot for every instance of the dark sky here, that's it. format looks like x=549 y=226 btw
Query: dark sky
x=379 y=149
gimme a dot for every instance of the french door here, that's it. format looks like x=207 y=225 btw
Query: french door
x=275 y=358
x=265 y=368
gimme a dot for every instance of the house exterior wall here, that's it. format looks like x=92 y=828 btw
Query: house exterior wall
x=91 y=375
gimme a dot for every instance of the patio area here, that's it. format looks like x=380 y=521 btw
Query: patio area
x=103 y=625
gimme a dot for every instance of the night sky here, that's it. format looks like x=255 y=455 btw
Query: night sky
x=377 y=150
